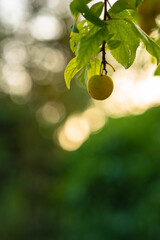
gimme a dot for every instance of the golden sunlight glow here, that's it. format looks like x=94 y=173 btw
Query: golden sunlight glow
x=75 y=131
x=158 y=20
x=96 y=118
x=65 y=143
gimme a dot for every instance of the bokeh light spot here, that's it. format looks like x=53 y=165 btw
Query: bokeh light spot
x=46 y=27
x=48 y=59
x=75 y=131
x=95 y=117
x=17 y=80
x=54 y=60
x=14 y=53
x=51 y=112
x=13 y=12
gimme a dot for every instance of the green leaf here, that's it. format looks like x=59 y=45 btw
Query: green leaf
x=87 y=1
x=74 y=41
x=79 y=6
x=152 y=47
x=75 y=37
x=71 y=71
x=90 y=45
x=91 y=16
x=94 y=69
x=113 y=44
x=158 y=40
x=121 y=5
x=74 y=9
x=83 y=75
x=125 y=53
x=97 y=8
x=74 y=28
x=157 y=72
x=138 y=2
x=76 y=5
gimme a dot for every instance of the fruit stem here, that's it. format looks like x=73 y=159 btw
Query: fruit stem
x=111 y=66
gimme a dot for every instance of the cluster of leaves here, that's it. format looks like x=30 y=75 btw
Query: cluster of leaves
x=120 y=32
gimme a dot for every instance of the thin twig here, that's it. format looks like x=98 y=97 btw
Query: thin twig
x=109 y=3
x=104 y=42
x=104 y=57
x=104 y=62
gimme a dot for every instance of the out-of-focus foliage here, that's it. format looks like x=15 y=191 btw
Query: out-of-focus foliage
x=28 y=172
x=109 y=187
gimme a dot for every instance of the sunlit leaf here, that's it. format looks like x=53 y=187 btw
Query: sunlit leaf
x=97 y=8
x=94 y=69
x=121 y=5
x=82 y=76
x=157 y=72
x=71 y=71
x=75 y=37
x=152 y=47
x=90 y=45
x=79 y=6
x=74 y=28
x=74 y=9
x=113 y=44
x=87 y=1
x=92 y=17
x=125 y=53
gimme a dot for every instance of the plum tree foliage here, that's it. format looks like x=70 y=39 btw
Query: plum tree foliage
x=118 y=32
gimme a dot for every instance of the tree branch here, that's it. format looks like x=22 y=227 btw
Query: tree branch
x=104 y=42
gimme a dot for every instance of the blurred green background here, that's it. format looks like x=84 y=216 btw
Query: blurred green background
x=107 y=185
